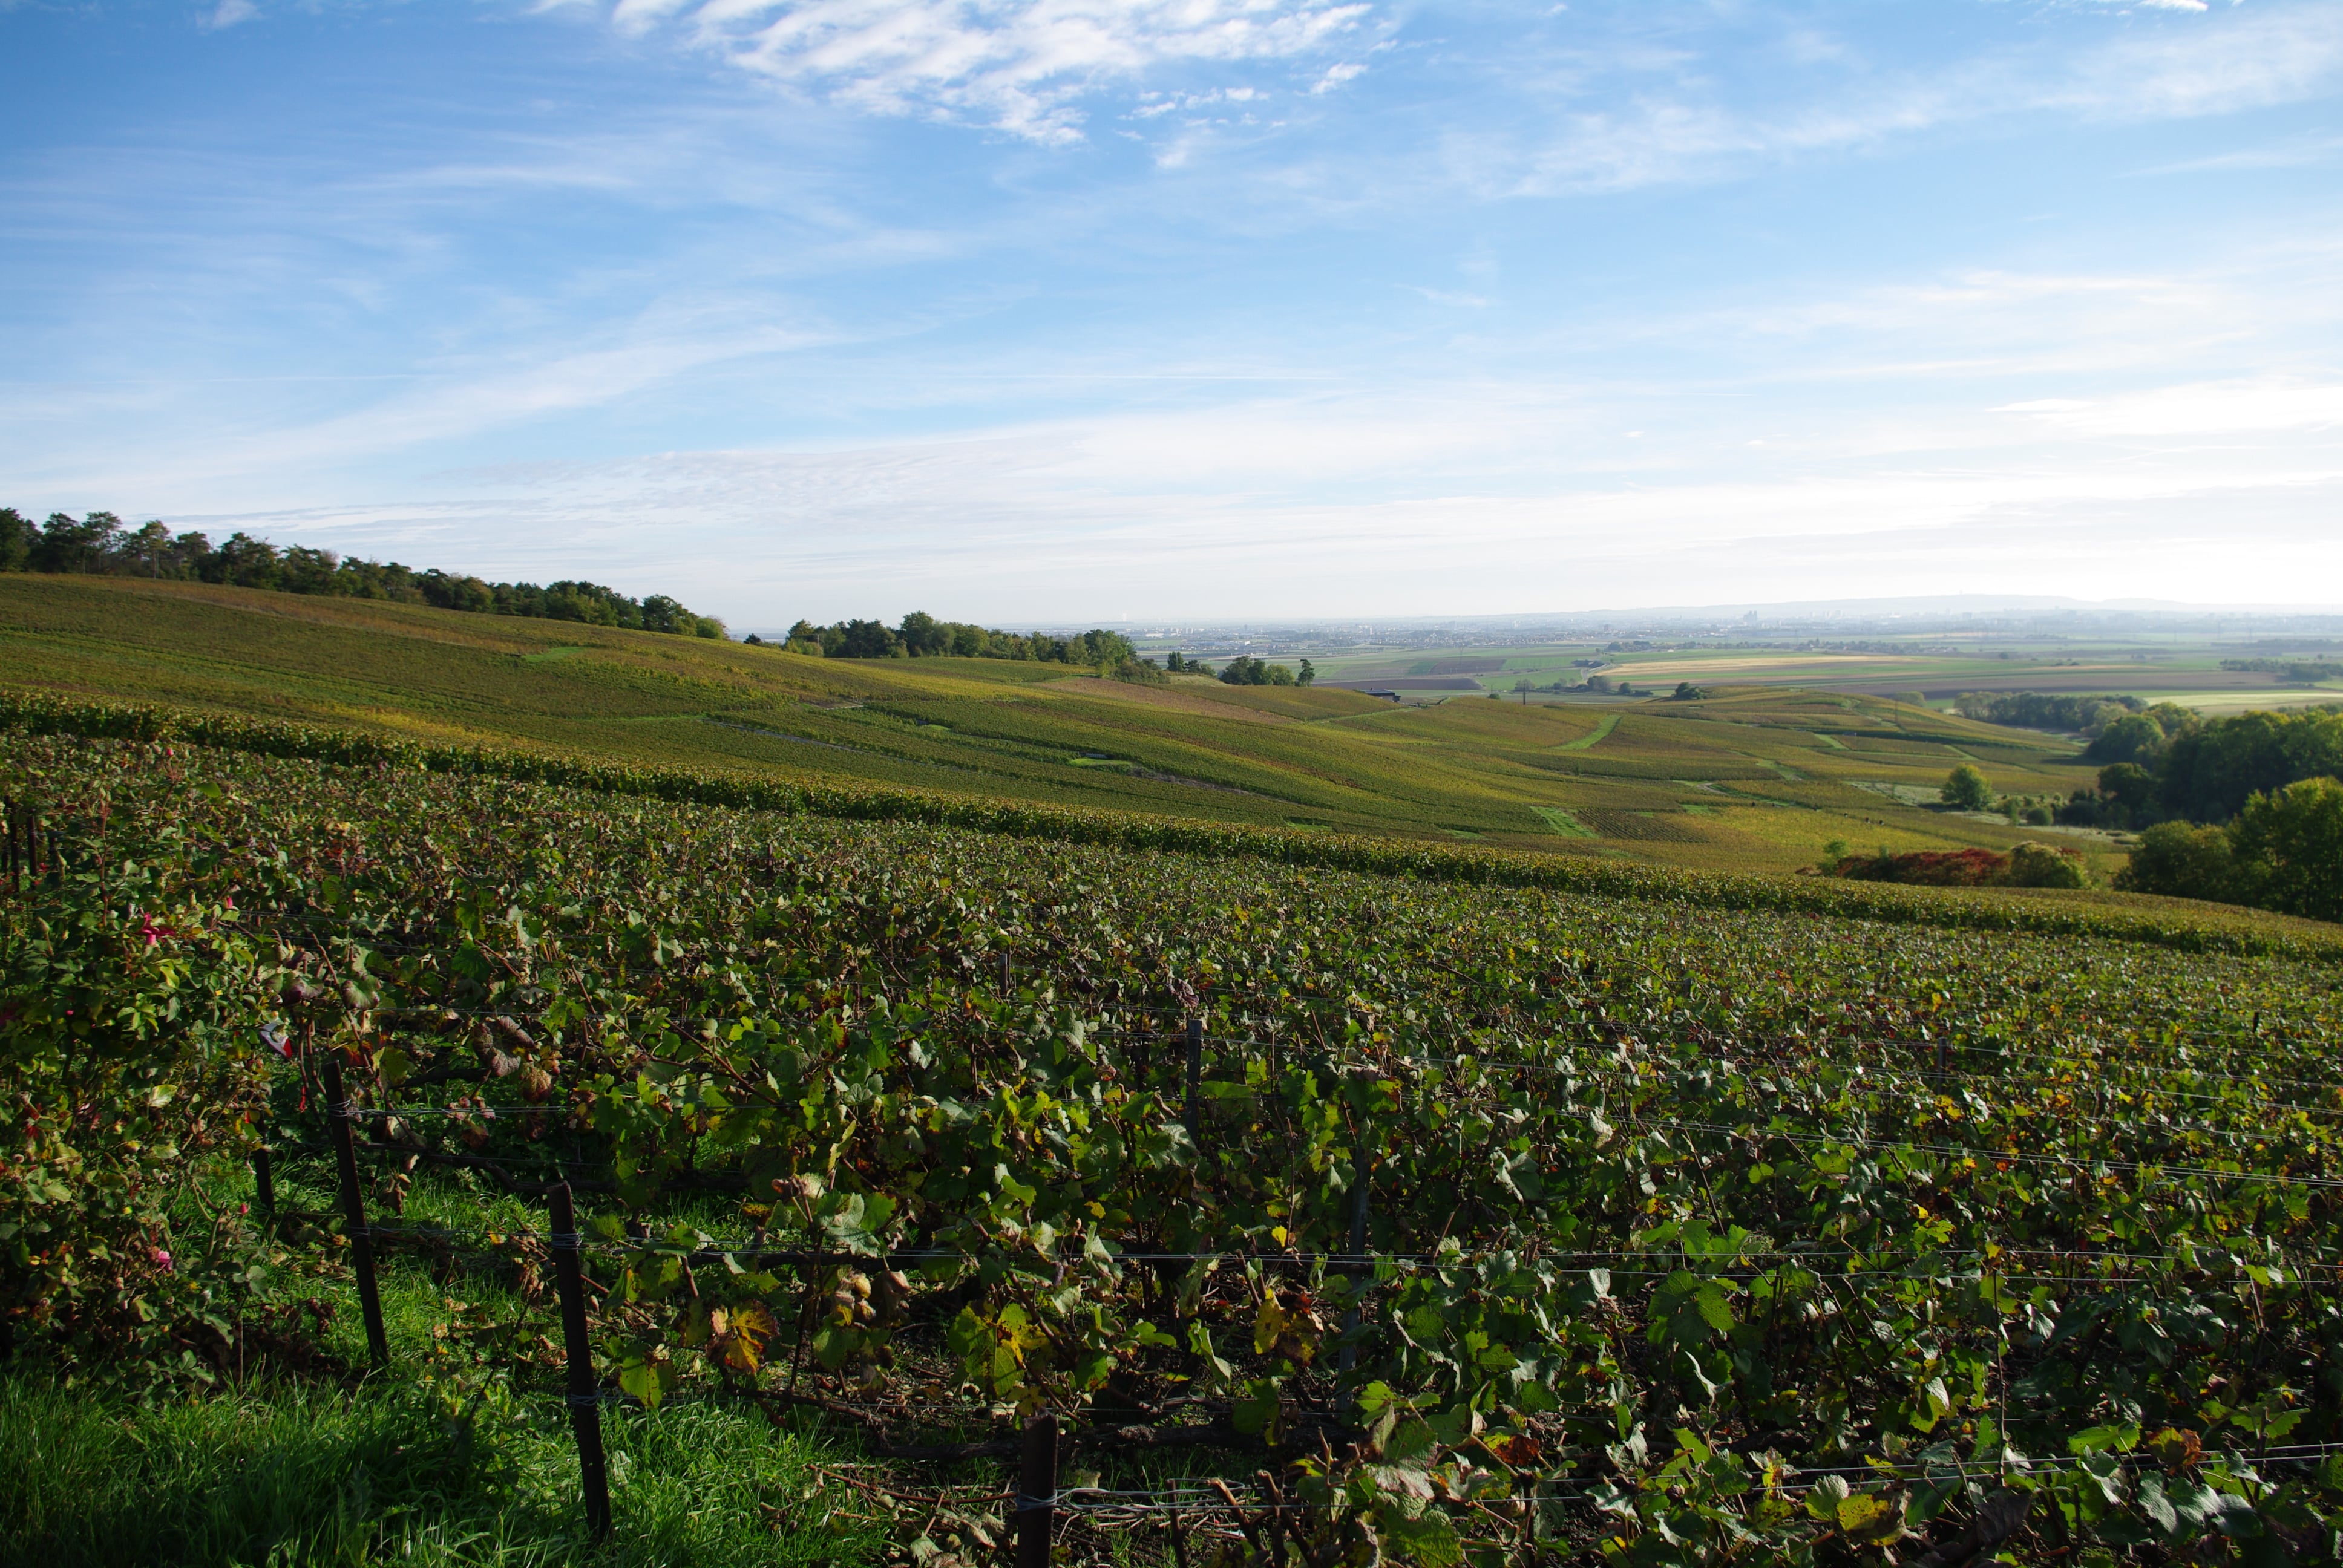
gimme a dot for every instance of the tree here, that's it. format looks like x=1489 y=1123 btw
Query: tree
x=18 y=540
x=304 y=570
x=2208 y=770
x=2128 y=785
x=2289 y=847
x=66 y=546
x=2181 y=862
x=1965 y=787
x=242 y=562
x=923 y=635
x=1308 y=676
x=2131 y=739
x=148 y=550
x=864 y=639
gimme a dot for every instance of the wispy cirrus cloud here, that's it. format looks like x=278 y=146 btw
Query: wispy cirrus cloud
x=1022 y=67
x=1646 y=104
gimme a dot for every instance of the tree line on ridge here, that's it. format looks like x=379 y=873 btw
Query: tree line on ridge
x=102 y=544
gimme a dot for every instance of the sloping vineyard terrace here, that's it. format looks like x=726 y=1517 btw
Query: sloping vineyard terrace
x=1684 y=1233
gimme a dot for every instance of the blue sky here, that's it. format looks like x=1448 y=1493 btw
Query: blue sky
x=1080 y=309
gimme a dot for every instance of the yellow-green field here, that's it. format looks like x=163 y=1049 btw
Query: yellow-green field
x=1756 y=777
x=2155 y=667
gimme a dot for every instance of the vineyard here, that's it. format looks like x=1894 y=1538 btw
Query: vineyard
x=1325 y=1215
x=1754 y=781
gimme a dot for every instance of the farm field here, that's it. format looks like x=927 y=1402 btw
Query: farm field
x=1756 y=780
x=2153 y=668
x=1506 y=1223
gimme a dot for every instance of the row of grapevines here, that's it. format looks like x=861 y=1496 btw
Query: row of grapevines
x=1687 y=1231
x=41 y=713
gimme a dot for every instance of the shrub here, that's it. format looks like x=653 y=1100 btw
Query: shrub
x=1928 y=868
x=2029 y=865
x=1965 y=787
x=2045 y=865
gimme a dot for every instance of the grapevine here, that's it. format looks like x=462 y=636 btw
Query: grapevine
x=1500 y=1223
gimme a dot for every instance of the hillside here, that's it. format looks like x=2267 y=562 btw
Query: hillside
x=1752 y=780
x=1433 y=1221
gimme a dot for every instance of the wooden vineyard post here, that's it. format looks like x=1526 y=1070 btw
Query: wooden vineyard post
x=338 y=1116
x=585 y=1404
x=1195 y=1069
x=1006 y=989
x=264 y=1180
x=1037 y=1492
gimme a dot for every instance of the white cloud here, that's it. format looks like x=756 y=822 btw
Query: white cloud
x=1231 y=513
x=1618 y=114
x=1015 y=65
x=1336 y=74
x=228 y=13
x=2203 y=409
x=2244 y=60
x=2298 y=153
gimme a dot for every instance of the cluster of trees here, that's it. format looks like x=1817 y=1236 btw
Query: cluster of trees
x=2241 y=810
x=2283 y=851
x=1246 y=670
x=2085 y=715
x=2201 y=770
x=101 y=544
x=922 y=636
x=2302 y=671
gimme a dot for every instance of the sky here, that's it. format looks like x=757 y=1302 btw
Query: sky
x=1050 y=311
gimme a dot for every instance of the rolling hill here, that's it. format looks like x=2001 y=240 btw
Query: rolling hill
x=1753 y=779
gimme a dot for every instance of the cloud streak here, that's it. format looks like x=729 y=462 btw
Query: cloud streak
x=1020 y=66
x=1618 y=116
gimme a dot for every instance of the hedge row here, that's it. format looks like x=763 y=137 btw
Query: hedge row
x=47 y=713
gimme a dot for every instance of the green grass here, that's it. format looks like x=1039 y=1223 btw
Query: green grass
x=1609 y=722
x=290 y=1473
x=391 y=1466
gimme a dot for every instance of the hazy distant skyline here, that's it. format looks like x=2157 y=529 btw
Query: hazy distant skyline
x=1024 y=310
